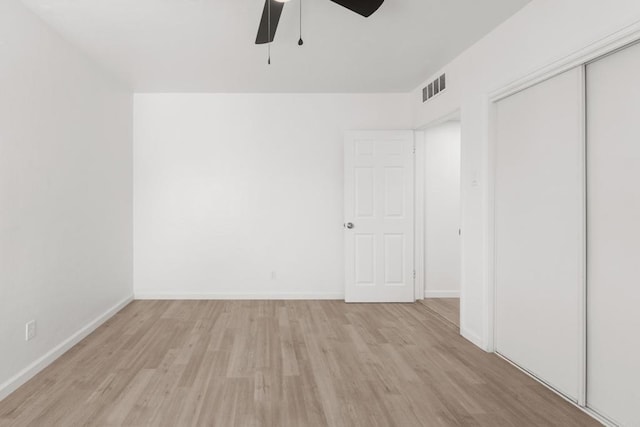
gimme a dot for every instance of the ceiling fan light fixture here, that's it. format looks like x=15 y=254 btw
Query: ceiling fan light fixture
x=273 y=9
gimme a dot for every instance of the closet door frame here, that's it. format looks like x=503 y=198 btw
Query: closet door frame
x=604 y=47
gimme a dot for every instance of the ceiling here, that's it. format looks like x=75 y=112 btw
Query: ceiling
x=208 y=45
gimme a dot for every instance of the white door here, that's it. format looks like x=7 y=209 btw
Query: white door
x=378 y=216
x=539 y=230
x=613 y=236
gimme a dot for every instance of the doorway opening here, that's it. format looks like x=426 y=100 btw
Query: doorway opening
x=438 y=196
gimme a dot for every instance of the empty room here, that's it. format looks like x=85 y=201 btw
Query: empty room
x=319 y=213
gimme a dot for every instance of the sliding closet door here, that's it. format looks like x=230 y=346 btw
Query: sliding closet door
x=613 y=236
x=539 y=230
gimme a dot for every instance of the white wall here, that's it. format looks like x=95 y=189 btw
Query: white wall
x=442 y=210
x=543 y=32
x=229 y=188
x=65 y=193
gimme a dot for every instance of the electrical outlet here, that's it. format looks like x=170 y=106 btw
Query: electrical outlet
x=30 y=330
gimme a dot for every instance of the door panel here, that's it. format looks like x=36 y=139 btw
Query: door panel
x=613 y=236
x=378 y=200
x=394 y=262
x=539 y=230
x=365 y=259
x=394 y=195
x=364 y=192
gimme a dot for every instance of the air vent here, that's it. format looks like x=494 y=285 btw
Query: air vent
x=434 y=88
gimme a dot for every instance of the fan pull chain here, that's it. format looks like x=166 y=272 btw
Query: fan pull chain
x=300 y=42
x=269 y=31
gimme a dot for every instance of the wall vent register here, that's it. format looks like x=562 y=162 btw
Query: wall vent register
x=434 y=88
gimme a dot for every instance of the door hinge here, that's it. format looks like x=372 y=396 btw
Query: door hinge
x=414 y=274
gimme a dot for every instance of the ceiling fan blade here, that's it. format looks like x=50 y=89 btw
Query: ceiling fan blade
x=263 y=29
x=361 y=7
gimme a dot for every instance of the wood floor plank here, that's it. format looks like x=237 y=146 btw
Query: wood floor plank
x=283 y=363
x=448 y=308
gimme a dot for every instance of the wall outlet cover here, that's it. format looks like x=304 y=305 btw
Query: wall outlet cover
x=30 y=332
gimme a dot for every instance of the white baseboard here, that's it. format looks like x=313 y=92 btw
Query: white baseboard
x=30 y=371
x=441 y=294
x=237 y=296
x=473 y=338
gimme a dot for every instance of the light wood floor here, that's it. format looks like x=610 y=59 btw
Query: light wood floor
x=448 y=308
x=277 y=363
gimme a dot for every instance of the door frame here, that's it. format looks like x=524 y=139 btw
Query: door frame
x=608 y=45
x=420 y=207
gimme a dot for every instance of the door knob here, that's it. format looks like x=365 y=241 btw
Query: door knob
x=349 y=225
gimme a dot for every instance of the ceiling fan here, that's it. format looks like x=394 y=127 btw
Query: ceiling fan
x=273 y=9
